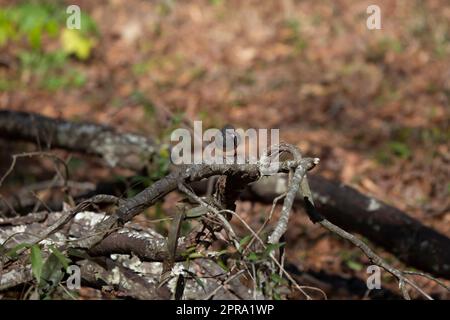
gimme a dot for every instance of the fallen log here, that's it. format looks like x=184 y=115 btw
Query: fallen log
x=125 y=149
x=407 y=238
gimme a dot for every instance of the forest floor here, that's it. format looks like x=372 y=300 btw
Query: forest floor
x=373 y=105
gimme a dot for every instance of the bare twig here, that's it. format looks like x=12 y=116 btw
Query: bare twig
x=340 y=204
x=282 y=224
x=32 y=154
x=222 y=285
x=236 y=243
x=274 y=203
x=429 y=276
x=374 y=258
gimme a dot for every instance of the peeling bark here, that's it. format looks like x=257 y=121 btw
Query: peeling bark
x=124 y=149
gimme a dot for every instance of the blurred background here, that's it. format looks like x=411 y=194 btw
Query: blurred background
x=373 y=105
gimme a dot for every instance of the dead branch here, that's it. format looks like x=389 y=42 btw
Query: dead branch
x=384 y=225
x=233 y=179
x=106 y=274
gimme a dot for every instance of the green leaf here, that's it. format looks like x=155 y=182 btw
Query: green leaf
x=196 y=278
x=73 y=42
x=189 y=251
x=12 y=253
x=196 y=255
x=52 y=28
x=276 y=296
x=253 y=256
x=221 y=252
x=36 y=261
x=354 y=265
x=276 y=278
x=88 y=25
x=245 y=240
x=223 y=265
x=35 y=37
x=61 y=257
x=272 y=247
x=51 y=276
x=196 y=212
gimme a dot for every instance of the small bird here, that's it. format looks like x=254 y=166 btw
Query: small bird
x=228 y=140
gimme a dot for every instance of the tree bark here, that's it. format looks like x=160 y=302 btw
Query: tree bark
x=125 y=149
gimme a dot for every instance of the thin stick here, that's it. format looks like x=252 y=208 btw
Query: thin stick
x=429 y=276
x=214 y=292
x=374 y=258
x=274 y=203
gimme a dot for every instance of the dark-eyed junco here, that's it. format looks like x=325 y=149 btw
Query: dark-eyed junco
x=228 y=140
